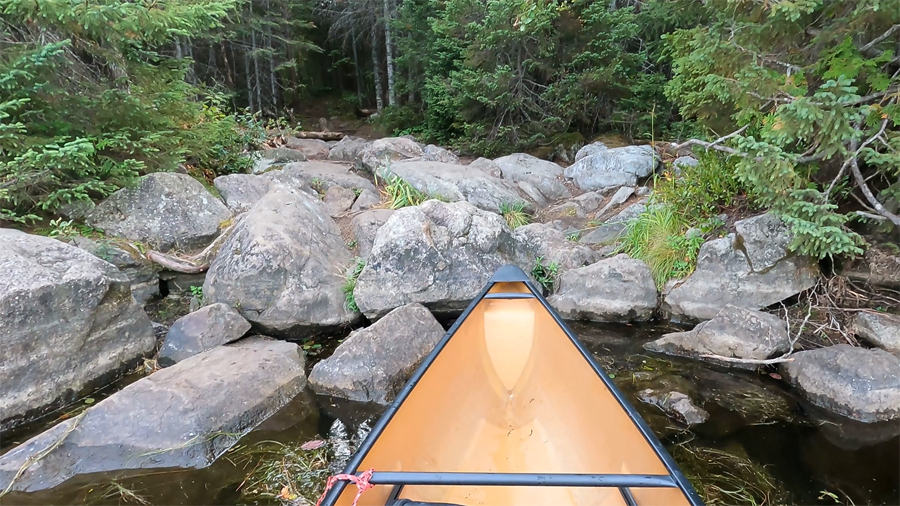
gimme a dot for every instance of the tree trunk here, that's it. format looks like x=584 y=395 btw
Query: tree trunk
x=379 y=101
x=389 y=52
x=356 y=67
x=247 y=77
x=259 y=103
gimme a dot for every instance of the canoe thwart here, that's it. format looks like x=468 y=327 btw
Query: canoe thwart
x=523 y=479
x=509 y=296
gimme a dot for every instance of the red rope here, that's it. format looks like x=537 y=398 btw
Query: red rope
x=361 y=482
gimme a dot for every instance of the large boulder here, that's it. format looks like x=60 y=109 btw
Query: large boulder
x=613 y=167
x=455 y=183
x=281 y=267
x=725 y=276
x=365 y=226
x=67 y=323
x=183 y=416
x=320 y=176
x=765 y=239
x=880 y=329
x=734 y=333
x=384 y=152
x=143 y=275
x=617 y=289
x=488 y=166
x=855 y=382
x=313 y=149
x=437 y=254
x=166 y=210
x=532 y=173
x=347 y=149
x=590 y=150
x=204 y=329
x=434 y=153
x=338 y=200
x=373 y=363
x=542 y=240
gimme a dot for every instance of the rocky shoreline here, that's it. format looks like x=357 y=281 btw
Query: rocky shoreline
x=269 y=259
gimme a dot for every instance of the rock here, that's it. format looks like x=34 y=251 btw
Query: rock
x=436 y=254
x=723 y=276
x=365 y=226
x=880 y=329
x=338 y=200
x=880 y=266
x=610 y=231
x=367 y=199
x=68 y=322
x=539 y=174
x=320 y=176
x=590 y=150
x=542 y=240
x=734 y=332
x=180 y=283
x=241 y=191
x=683 y=161
x=765 y=239
x=675 y=405
x=858 y=383
x=488 y=166
x=143 y=275
x=183 y=416
x=456 y=183
x=262 y=165
x=589 y=201
x=620 y=197
x=613 y=167
x=281 y=267
x=617 y=289
x=283 y=155
x=347 y=149
x=315 y=149
x=204 y=329
x=166 y=210
x=374 y=363
x=384 y=152
x=76 y=210
x=434 y=153
x=643 y=191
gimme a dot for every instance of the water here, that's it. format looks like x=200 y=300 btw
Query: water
x=762 y=444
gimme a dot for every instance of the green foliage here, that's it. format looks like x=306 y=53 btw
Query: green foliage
x=197 y=291
x=658 y=237
x=702 y=191
x=398 y=194
x=66 y=229
x=545 y=275
x=350 y=283
x=514 y=214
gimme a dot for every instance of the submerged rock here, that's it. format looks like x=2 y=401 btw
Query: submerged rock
x=880 y=329
x=855 y=382
x=206 y=328
x=281 y=267
x=166 y=210
x=183 y=416
x=676 y=405
x=613 y=167
x=438 y=254
x=617 y=289
x=373 y=363
x=67 y=321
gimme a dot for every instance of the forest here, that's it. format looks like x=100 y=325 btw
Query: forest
x=796 y=101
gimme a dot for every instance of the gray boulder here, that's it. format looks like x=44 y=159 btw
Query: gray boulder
x=347 y=149
x=532 y=172
x=734 y=333
x=204 y=329
x=612 y=229
x=542 y=240
x=855 y=382
x=620 y=197
x=590 y=150
x=724 y=276
x=675 y=405
x=455 y=183
x=67 y=321
x=618 y=289
x=384 y=152
x=373 y=363
x=320 y=176
x=241 y=191
x=613 y=167
x=880 y=329
x=281 y=267
x=365 y=226
x=434 y=153
x=589 y=201
x=166 y=210
x=765 y=239
x=183 y=416
x=143 y=275
x=366 y=200
x=436 y=254
x=315 y=149
x=488 y=166
x=683 y=161
x=338 y=200
x=281 y=155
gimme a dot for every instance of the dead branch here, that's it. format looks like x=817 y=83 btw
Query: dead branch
x=880 y=38
x=194 y=264
x=324 y=136
x=867 y=192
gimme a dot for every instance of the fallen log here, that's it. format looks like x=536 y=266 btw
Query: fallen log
x=325 y=136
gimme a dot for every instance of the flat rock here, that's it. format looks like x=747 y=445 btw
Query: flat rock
x=184 y=416
x=854 y=382
x=365 y=226
x=366 y=200
x=166 y=210
x=204 y=329
x=434 y=153
x=347 y=149
x=542 y=240
x=281 y=267
x=541 y=175
x=338 y=200
x=283 y=154
x=241 y=191
x=321 y=176
x=488 y=166
x=374 y=363
x=384 y=152
x=590 y=150
x=612 y=229
x=620 y=197
x=618 y=289
x=613 y=167
x=67 y=323
x=313 y=149
x=437 y=254
x=880 y=329
x=734 y=333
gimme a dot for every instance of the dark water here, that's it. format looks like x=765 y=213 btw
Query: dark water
x=761 y=445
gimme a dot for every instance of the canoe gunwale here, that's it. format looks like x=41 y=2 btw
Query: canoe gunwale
x=512 y=274
x=522 y=479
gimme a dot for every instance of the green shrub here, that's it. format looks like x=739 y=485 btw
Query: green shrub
x=702 y=191
x=398 y=194
x=545 y=275
x=658 y=238
x=515 y=214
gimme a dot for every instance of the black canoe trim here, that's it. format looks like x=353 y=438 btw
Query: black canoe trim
x=513 y=274
x=522 y=479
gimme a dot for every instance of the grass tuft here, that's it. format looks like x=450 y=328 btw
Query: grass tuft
x=658 y=238
x=350 y=283
x=515 y=214
x=398 y=194
x=545 y=275
x=284 y=472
